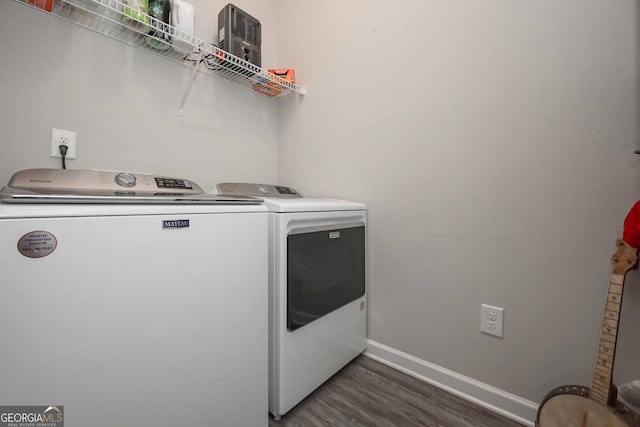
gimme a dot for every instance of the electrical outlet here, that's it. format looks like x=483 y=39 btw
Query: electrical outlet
x=63 y=137
x=492 y=320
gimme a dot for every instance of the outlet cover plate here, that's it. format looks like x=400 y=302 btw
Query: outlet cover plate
x=492 y=320
x=57 y=135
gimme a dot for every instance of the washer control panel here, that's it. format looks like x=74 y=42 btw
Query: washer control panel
x=94 y=182
x=174 y=183
x=256 y=190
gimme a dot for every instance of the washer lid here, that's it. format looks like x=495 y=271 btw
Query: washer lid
x=13 y=195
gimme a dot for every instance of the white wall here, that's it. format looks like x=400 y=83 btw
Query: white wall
x=123 y=102
x=493 y=144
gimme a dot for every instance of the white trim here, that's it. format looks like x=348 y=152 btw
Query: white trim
x=496 y=400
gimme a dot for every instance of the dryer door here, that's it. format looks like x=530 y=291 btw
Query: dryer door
x=325 y=270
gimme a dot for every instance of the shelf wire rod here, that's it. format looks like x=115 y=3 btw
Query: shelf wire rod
x=193 y=78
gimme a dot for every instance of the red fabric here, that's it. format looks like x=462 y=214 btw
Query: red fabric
x=631 y=233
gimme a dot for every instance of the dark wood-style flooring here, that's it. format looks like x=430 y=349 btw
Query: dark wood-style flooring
x=369 y=394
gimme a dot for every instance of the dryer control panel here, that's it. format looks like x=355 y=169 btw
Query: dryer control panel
x=256 y=190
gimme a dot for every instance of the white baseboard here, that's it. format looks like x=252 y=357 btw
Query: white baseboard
x=496 y=400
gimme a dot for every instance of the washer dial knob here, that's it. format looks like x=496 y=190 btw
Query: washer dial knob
x=264 y=189
x=126 y=179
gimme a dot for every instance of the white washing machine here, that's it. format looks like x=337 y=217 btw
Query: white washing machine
x=132 y=300
x=317 y=289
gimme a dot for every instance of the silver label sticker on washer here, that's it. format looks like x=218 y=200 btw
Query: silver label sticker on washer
x=334 y=235
x=175 y=223
x=37 y=244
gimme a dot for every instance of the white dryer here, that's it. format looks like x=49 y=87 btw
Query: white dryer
x=317 y=288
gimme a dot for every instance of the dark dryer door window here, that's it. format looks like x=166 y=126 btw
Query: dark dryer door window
x=326 y=269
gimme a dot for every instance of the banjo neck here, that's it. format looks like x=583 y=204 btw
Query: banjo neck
x=602 y=389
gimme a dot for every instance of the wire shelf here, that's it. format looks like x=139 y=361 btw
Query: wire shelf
x=117 y=20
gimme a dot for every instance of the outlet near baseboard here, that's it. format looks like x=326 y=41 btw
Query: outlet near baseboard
x=492 y=320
